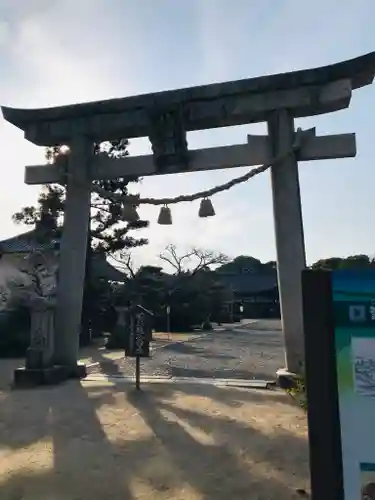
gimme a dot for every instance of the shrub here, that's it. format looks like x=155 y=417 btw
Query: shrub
x=14 y=331
x=298 y=393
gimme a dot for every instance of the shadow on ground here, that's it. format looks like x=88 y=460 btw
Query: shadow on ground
x=181 y=371
x=191 y=349
x=62 y=443
x=169 y=442
x=111 y=368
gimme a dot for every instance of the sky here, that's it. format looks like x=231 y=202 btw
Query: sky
x=55 y=52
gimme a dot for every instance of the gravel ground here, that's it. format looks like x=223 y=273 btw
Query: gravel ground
x=247 y=354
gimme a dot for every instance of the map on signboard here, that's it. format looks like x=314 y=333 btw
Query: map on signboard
x=367 y=472
x=363 y=352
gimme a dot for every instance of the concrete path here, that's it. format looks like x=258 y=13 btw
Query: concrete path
x=219 y=382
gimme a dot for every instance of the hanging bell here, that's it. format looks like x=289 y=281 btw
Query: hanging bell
x=206 y=209
x=165 y=216
x=129 y=213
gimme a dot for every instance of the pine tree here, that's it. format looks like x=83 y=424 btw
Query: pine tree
x=108 y=233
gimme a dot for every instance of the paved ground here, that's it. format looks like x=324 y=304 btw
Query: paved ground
x=254 y=351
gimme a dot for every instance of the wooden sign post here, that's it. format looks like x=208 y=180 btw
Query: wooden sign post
x=140 y=333
x=339 y=323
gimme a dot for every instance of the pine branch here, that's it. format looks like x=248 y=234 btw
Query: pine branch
x=105 y=232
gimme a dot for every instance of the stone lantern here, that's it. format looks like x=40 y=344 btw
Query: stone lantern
x=40 y=353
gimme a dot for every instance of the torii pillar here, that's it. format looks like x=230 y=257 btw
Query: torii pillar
x=72 y=262
x=165 y=118
x=289 y=235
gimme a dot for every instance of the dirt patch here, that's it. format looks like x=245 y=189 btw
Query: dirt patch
x=175 y=337
x=273 y=325
x=173 y=441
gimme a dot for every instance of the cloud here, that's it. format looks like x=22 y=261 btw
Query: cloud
x=64 y=62
x=59 y=65
x=41 y=71
x=4 y=33
x=66 y=51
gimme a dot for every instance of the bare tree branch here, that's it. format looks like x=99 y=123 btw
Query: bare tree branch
x=208 y=258
x=126 y=262
x=170 y=256
x=193 y=261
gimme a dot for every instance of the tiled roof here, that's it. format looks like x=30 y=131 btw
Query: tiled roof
x=250 y=282
x=27 y=242
x=24 y=243
x=102 y=269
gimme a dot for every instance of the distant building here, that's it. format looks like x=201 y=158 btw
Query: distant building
x=256 y=290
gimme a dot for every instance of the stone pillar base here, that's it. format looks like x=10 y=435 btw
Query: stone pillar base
x=286 y=379
x=33 y=377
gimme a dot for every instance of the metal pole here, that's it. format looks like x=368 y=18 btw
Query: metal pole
x=138 y=373
x=169 y=322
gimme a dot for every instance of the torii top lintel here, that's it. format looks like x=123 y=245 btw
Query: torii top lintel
x=210 y=106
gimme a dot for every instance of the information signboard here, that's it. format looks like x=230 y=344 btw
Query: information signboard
x=339 y=320
x=139 y=344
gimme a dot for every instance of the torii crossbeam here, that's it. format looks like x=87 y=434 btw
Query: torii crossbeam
x=165 y=118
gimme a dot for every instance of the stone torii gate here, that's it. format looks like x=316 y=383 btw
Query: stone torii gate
x=166 y=117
